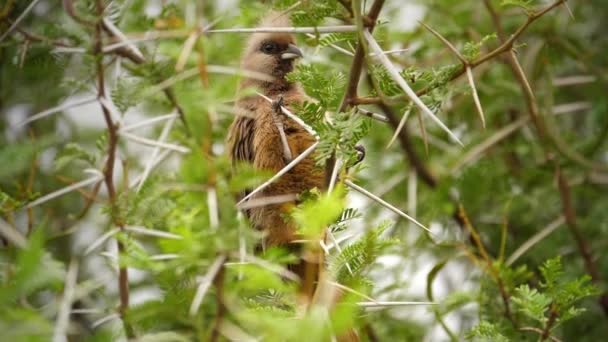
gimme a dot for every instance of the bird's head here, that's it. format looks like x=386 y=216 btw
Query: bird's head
x=272 y=54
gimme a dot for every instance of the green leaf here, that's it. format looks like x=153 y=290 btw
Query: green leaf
x=485 y=332
x=72 y=152
x=34 y=270
x=314 y=216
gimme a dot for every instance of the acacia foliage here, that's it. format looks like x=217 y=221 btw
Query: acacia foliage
x=483 y=204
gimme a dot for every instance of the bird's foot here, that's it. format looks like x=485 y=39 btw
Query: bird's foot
x=360 y=153
x=277 y=104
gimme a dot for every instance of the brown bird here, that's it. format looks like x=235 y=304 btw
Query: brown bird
x=256 y=138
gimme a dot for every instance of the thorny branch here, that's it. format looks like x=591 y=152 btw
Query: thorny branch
x=354 y=76
x=537 y=119
x=108 y=172
x=125 y=51
x=504 y=47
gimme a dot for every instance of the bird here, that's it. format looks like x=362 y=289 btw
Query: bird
x=255 y=137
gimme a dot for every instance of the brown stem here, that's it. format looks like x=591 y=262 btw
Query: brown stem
x=358 y=58
x=353 y=78
x=38 y=38
x=68 y=6
x=552 y=318
x=476 y=239
x=90 y=200
x=108 y=172
x=539 y=331
x=583 y=246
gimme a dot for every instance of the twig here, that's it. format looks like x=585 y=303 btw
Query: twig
x=491 y=268
x=447 y=43
x=12 y=235
x=219 y=69
x=534 y=239
x=406 y=114
x=476 y=96
x=57 y=109
x=506 y=46
x=476 y=152
x=358 y=58
x=152 y=232
x=268 y=200
x=401 y=82
x=293 y=117
x=570 y=218
x=114 y=31
x=99 y=241
x=123 y=276
x=281 y=172
x=375 y=116
x=161 y=139
x=186 y=51
x=387 y=205
x=104 y=320
x=574 y=80
x=351 y=290
x=205 y=283
x=213 y=208
x=163 y=155
x=282 y=271
x=148 y=122
x=68 y=7
x=539 y=331
x=409 y=149
x=39 y=38
x=550 y=322
x=390 y=304
x=154 y=143
x=65 y=190
x=317 y=29
x=63 y=315
x=20 y=18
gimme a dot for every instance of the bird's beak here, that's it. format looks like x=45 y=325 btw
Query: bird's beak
x=292 y=52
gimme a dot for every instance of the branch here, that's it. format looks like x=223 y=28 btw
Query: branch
x=12 y=234
x=312 y=29
x=16 y=23
x=401 y=82
x=386 y=205
x=504 y=47
x=570 y=216
x=357 y=64
x=123 y=276
x=63 y=315
x=205 y=283
x=536 y=238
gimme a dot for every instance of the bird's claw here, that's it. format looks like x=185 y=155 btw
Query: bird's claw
x=360 y=153
x=277 y=104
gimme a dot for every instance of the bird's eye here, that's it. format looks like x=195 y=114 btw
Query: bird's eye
x=269 y=47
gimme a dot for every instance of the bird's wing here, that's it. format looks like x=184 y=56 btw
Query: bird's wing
x=240 y=140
